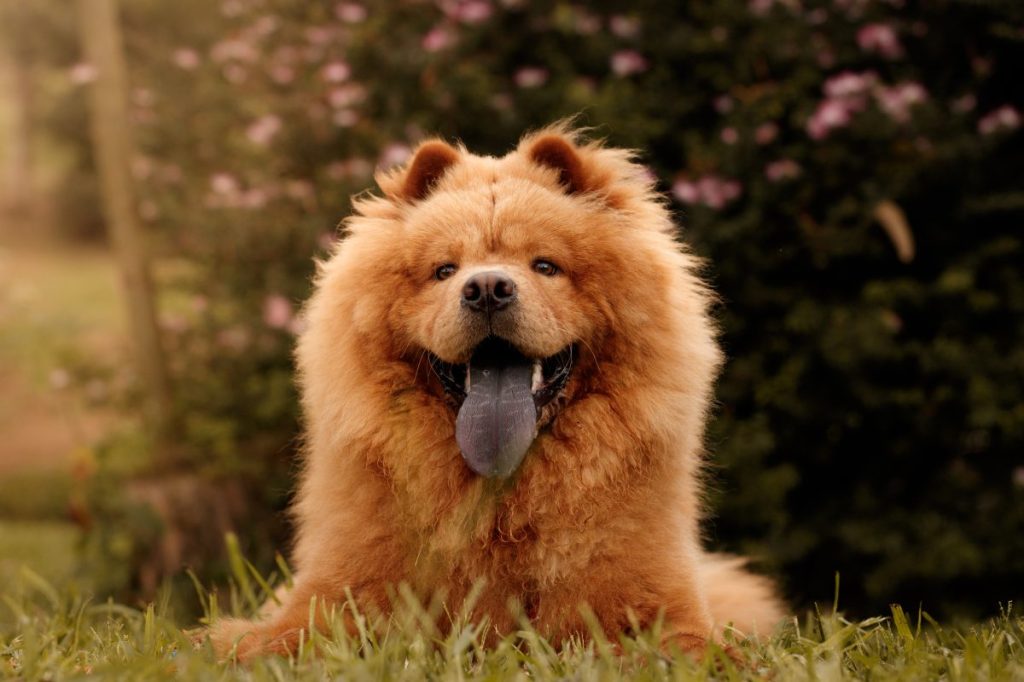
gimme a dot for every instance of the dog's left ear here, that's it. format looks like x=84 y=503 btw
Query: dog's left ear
x=557 y=153
x=428 y=166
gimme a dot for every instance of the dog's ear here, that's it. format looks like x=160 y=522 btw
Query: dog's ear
x=429 y=164
x=556 y=152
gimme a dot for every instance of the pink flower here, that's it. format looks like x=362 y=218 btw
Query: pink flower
x=710 y=190
x=142 y=167
x=1005 y=118
x=233 y=49
x=830 y=115
x=264 y=26
x=686 y=191
x=345 y=118
x=766 y=133
x=226 y=192
x=254 y=198
x=186 y=58
x=849 y=83
x=760 y=8
x=319 y=35
x=394 y=154
x=175 y=323
x=350 y=12
x=730 y=135
x=473 y=11
x=82 y=73
x=437 y=39
x=235 y=73
x=530 y=77
x=282 y=74
x=277 y=311
x=300 y=190
x=624 y=27
x=224 y=184
x=783 y=169
x=261 y=131
x=232 y=8
x=346 y=96
x=336 y=72
x=880 y=38
x=349 y=168
x=628 y=62
x=715 y=192
x=897 y=100
x=723 y=104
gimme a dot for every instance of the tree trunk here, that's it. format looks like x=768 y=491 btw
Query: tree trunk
x=111 y=137
x=18 y=180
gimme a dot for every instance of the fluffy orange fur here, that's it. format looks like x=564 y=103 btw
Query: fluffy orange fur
x=606 y=506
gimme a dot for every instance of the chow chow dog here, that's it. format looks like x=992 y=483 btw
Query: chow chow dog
x=506 y=374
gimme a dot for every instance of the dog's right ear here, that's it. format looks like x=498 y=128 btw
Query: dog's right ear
x=555 y=151
x=429 y=163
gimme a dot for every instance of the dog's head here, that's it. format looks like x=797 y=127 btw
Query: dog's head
x=513 y=280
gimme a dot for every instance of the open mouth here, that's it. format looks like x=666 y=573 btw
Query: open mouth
x=499 y=394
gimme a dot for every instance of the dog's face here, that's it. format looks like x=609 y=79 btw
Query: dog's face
x=507 y=278
x=495 y=271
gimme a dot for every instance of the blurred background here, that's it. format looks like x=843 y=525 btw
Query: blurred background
x=851 y=169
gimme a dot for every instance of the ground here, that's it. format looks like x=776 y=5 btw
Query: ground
x=57 y=304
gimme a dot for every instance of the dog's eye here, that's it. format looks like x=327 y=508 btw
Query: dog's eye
x=545 y=267
x=445 y=271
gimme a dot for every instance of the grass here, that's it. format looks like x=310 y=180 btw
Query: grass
x=48 y=546
x=54 y=634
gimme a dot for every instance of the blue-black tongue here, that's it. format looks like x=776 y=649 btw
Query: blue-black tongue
x=498 y=419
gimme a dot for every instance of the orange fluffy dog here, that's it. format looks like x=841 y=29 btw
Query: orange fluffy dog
x=506 y=375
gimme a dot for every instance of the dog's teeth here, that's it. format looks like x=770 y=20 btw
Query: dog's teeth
x=538 y=376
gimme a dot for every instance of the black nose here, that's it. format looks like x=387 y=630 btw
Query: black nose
x=488 y=291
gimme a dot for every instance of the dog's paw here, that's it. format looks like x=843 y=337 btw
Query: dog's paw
x=242 y=640
x=234 y=639
x=699 y=648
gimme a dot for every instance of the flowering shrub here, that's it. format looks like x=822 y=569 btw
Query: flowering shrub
x=851 y=169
